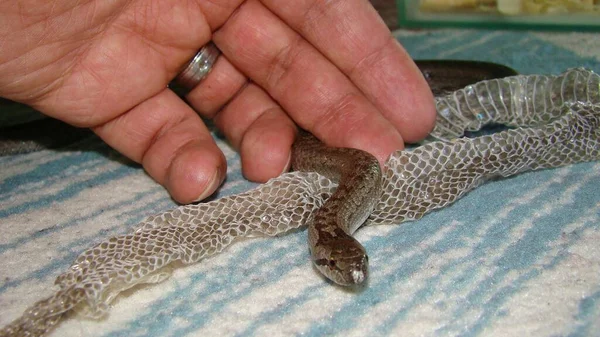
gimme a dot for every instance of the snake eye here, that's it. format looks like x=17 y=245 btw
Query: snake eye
x=331 y=263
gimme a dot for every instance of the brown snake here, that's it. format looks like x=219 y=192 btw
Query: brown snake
x=334 y=251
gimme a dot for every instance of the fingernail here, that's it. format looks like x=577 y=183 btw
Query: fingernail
x=287 y=164
x=215 y=181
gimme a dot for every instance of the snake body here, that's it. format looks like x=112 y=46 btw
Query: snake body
x=557 y=120
x=335 y=253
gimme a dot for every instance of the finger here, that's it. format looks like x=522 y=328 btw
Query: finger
x=218 y=88
x=260 y=130
x=312 y=90
x=172 y=143
x=352 y=35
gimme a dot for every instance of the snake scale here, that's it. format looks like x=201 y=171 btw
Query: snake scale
x=556 y=122
x=335 y=253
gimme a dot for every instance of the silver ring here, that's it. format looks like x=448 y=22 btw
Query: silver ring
x=198 y=67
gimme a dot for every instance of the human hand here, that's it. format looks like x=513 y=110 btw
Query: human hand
x=330 y=67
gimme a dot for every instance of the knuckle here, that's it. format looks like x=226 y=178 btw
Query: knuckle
x=282 y=63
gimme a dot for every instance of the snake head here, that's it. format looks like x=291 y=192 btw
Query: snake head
x=343 y=260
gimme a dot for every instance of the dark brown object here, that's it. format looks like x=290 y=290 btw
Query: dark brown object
x=388 y=11
x=47 y=133
x=445 y=76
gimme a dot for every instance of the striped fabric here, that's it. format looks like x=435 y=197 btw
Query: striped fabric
x=515 y=257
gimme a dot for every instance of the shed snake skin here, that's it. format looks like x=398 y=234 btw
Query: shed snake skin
x=556 y=120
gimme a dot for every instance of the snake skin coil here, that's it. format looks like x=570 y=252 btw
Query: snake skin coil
x=558 y=124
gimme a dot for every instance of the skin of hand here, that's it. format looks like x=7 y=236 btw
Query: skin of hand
x=330 y=67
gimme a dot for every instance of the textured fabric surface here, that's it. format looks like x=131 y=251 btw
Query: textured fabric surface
x=514 y=257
